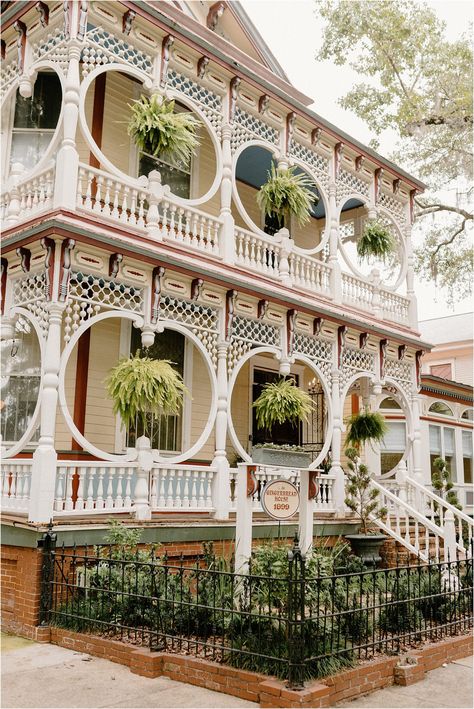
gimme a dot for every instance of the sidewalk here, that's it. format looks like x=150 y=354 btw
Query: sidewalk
x=35 y=675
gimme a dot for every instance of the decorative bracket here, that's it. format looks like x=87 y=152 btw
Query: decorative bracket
x=359 y=161
x=234 y=93
x=127 y=21
x=196 y=288
x=214 y=15
x=413 y=194
x=43 y=10
x=338 y=151
x=20 y=29
x=82 y=29
x=230 y=298
x=383 y=356
x=262 y=308
x=157 y=286
x=3 y=48
x=67 y=18
x=363 y=338
x=402 y=350
x=396 y=186
x=3 y=290
x=290 y=330
x=341 y=341
x=418 y=355
x=252 y=483
x=290 y=129
x=65 y=273
x=202 y=67
x=377 y=183
x=114 y=264
x=25 y=258
x=50 y=247
x=263 y=103
x=313 y=486
x=316 y=136
x=166 y=45
x=317 y=325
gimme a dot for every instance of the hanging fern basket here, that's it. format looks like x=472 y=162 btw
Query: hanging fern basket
x=376 y=242
x=140 y=386
x=160 y=131
x=281 y=402
x=365 y=427
x=287 y=193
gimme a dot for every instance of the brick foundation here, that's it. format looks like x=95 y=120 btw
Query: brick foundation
x=21 y=590
x=268 y=691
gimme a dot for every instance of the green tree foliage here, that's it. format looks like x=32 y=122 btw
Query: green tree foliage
x=361 y=499
x=442 y=482
x=420 y=85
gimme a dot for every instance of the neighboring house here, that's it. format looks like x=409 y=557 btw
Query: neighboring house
x=446 y=407
x=107 y=249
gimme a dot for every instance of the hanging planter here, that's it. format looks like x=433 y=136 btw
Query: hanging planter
x=365 y=427
x=376 y=241
x=280 y=402
x=140 y=386
x=286 y=193
x=157 y=130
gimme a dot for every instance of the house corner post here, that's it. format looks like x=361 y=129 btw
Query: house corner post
x=141 y=508
x=221 y=483
x=243 y=524
x=333 y=225
x=67 y=161
x=336 y=467
x=43 y=477
x=227 y=235
x=306 y=515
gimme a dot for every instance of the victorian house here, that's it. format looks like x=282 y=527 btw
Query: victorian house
x=108 y=249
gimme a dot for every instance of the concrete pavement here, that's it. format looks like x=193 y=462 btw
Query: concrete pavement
x=37 y=675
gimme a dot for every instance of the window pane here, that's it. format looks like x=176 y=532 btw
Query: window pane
x=395 y=438
x=389 y=403
x=178 y=180
x=43 y=108
x=467 y=414
x=467 y=464
x=467 y=443
x=440 y=407
x=448 y=441
x=27 y=148
x=435 y=440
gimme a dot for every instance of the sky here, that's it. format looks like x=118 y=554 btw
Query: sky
x=292 y=31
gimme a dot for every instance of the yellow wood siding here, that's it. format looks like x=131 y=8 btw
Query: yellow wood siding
x=82 y=147
x=200 y=406
x=119 y=92
x=240 y=409
x=204 y=175
x=63 y=436
x=247 y=196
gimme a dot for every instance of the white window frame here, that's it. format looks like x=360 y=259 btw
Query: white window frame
x=455 y=454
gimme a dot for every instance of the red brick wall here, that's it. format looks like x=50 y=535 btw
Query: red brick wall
x=21 y=589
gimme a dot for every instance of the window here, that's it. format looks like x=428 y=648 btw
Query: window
x=467 y=455
x=439 y=407
x=392 y=446
x=389 y=403
x=283 y=433
x=442 y=370
x=442 y=446
x=467 y=415
x=20 y=383
x=165 y=431
x=35 y=120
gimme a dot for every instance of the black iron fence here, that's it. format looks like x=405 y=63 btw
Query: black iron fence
x=305 y=619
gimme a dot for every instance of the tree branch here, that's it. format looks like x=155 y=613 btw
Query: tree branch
x=432 y=208
x=450 y=240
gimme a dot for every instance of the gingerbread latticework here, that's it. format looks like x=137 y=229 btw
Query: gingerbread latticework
x=319 y=351
x=202 y=320
x=401 y=372
x=103 y=48
x=247 y=127
x=354 y=361
x=348 y=183
x=256 y=331
x=393 y=206
x=347 y=230
x=52 y=47
x=316 y=162
x=237 y=349
x=29 y=292
x=8 y=75
x=210 y=103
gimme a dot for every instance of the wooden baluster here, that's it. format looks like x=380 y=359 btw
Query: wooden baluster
x=193 y=490
x=187 y=476
x=195 y=230
x=98 y=194
x=80 y=489
x=179 y=226
x=88 y=199
x=99 y=503
x=80 y=180
x=154 y=489
x=178 y=488
x=127 y=501
x=115 y=209
x=119 y=475
x=170 y=497
x=201 y=496
x=106 y=210
x=164 y=218
x=172 y=224
x=162 y=498
x=133 y=208
x=141 y=210
x=69 y=505
x=209 y=478
x=59 y=501
x=124 y=212
x=109 y=500
x=90 y=489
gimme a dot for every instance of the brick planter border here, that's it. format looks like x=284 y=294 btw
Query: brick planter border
x=267 y=691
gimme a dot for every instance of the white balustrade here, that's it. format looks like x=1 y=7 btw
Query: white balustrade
x=324 y=501
x=435 y=508
x=357 y=292
x=395 y=306
x=181 y=487
x=309 y=273
x=110 y=197
x=190 y=227
x=93 y=487
x=257 y=253
x=16 y=483
x=30 y=197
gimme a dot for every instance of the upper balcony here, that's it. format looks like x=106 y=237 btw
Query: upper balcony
x=69 y=86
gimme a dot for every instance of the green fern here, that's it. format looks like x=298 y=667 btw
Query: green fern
x=286 y=193
x=376 y=241
x=365 y=426
x=159 y=131
x=282 y=401
x=140 y=385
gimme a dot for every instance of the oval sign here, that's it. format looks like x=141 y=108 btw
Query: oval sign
x=280 y=499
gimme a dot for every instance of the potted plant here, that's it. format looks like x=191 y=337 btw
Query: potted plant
x=161 y=132
x=286 y=193
x=140 y=386
x=362 y=500
x=281 y=402
x=376 y=241
x=365 y=427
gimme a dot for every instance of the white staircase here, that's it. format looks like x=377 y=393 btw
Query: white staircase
x=423 y=522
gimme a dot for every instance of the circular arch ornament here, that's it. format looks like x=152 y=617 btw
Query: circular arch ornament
x=132 y=455
x=146 y=84
x=297 y=358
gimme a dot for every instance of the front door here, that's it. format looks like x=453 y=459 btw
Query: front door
x=282 y=434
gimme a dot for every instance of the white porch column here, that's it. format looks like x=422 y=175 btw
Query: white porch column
x=336 y=468
x=416 y=446
x=141 y=499
x=221 y=486
x=43 y=478
x=227 y=236
x=306 y=515
x=332 y=223
x=243 y=523
x=410 y=281
x=67 y=161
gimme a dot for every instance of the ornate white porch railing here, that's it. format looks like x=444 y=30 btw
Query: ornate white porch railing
x=16 y=484
x=28 y=197
x=182 y=487
x=434 y=507
x=357 y=292
x=110 y=197
x=257 y=253
x=309 y=273
x=190 y=227
x=395 y=306
x=93 y=487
